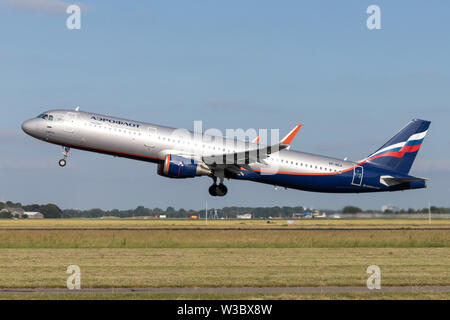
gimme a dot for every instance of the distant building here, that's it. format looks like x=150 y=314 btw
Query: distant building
x=244 y=216
x=19 y=213
x=309 y=215
x=389 y=208
x=16 y=212
x=34 y=215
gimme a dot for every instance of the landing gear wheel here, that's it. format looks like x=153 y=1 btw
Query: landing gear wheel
x=212 y=190
x=221 y=190
x=62 y=163
x=218 y=190
x=65 y=153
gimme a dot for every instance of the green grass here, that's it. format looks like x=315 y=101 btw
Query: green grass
x=225 y=258
x=39 y=239
x=225 y=224
x=237 y=267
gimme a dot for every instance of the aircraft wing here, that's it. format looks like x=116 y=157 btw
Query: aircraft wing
x=234 y=161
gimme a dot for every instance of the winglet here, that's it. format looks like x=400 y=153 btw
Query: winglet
x=291 y=135
x=256 y=140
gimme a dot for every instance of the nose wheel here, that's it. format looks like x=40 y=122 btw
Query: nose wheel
x=65 y=153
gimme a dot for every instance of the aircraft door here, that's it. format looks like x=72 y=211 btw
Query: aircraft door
x=150 y=137
x=357 y=176
x=69 y=122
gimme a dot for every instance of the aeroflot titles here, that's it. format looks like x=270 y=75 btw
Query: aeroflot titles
x=128 y=124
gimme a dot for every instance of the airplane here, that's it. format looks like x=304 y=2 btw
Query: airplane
x=186 y=154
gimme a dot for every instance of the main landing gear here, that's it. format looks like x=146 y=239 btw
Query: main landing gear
x=218 y=190
x=65 y=153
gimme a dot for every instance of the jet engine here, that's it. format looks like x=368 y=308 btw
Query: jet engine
x=179 y=167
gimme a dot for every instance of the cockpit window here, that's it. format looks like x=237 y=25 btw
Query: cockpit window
x=50 y=118
x=43 y=116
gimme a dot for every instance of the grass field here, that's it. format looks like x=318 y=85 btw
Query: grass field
x=225 y=224
x=121 y=254
x=131 y=239
x=216 y=267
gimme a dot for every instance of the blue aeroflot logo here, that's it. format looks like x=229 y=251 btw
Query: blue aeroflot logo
x=123 y=123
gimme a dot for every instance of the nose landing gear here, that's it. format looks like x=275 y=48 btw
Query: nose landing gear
x=65 y=153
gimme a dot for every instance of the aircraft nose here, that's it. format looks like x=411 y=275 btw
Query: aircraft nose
x=27 y=126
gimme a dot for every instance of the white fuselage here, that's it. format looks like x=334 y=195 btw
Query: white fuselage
x=149 y=142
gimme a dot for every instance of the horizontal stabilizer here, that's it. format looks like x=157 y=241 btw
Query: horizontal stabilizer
x=391 y=181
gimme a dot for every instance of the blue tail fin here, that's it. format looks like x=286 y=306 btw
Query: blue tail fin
x=399 y=152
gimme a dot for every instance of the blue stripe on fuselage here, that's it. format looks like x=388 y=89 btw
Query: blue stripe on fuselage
x=330 y=183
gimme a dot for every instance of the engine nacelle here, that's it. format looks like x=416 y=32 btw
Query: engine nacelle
x=179 y=167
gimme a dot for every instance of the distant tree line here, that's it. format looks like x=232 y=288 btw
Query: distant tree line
x=433 y=209
x=170 y=212
x=53 y=211
x=226 y=212
x=5 y=215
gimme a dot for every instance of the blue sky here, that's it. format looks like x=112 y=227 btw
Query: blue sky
x=231 y=64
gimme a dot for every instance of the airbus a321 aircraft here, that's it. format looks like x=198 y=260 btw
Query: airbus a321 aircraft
x=191 y=154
